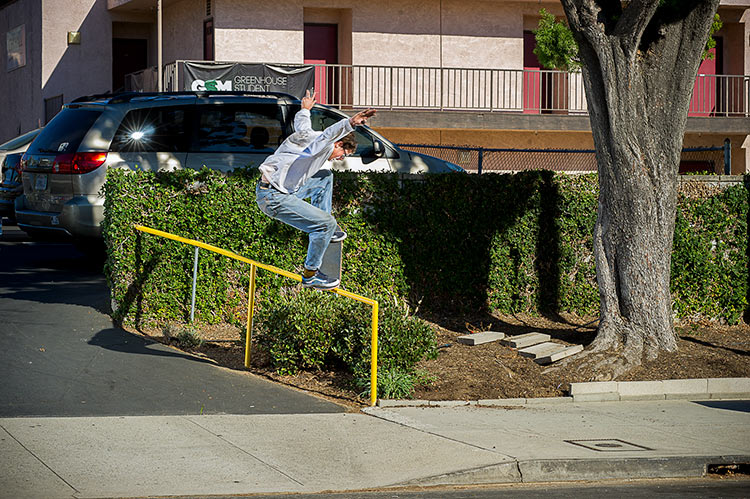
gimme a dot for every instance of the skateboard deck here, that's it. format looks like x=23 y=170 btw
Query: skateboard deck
x=331 y=265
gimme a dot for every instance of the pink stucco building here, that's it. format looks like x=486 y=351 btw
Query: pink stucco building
x=442 y=71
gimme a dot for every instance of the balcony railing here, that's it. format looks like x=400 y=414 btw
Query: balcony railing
x=493 y=90
x=510 y=90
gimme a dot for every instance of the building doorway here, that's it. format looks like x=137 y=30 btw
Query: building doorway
x=208 y=40
x=128 y=56
x=322 y=47
x=544 y=90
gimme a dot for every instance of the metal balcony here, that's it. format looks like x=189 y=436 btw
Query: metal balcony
x=487 y=90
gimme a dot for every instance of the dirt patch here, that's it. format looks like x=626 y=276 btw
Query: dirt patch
x=491 y=370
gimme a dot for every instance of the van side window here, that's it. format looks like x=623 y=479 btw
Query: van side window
x=158 y=129
x=241 y=128
x=321 y=119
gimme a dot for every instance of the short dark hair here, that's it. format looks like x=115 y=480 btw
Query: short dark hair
x=349 y=142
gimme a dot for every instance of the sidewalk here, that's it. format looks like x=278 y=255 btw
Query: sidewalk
x=379 y=447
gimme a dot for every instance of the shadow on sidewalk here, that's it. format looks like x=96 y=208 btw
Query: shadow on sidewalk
x=729 y=405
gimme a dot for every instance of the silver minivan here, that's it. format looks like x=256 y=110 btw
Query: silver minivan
x=65 y=167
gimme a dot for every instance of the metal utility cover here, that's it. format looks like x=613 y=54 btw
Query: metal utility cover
x=608 y=445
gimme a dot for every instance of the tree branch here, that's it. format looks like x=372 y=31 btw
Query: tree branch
x=633 y=22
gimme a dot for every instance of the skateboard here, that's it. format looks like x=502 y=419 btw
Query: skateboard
x=331 y=265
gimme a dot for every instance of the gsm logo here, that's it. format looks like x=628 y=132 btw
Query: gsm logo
x=211 y=85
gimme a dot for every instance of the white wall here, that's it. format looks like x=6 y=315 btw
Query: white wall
x=182 y=28
x=75 y=70
x=451 y=33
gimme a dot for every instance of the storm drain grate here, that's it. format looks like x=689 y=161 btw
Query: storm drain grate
x=608 y=445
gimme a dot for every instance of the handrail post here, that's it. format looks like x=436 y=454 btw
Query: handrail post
x=374 y=356
x=250 y=313
x=195 y=279
x=727 y=157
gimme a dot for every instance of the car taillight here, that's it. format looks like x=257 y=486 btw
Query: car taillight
x=82 y=162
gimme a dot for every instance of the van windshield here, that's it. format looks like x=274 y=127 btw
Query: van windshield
x=65 y=132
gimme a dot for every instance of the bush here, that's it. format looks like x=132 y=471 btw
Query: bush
x=710 y=256
x=308 y=329
x=189 y=337
x=394 y=383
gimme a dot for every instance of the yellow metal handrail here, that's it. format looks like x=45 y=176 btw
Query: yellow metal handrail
x=296 y=277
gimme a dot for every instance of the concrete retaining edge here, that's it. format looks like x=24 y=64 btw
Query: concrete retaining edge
x=609 y=391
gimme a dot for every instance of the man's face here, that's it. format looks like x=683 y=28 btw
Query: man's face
x=339 y=151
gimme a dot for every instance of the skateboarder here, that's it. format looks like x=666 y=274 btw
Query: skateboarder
x=296 y=172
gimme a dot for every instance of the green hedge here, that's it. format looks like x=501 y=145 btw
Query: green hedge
x=443 y=243
x=710 y=256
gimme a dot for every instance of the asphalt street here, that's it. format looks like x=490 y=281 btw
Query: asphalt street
x=61 y=354
x=637 y=489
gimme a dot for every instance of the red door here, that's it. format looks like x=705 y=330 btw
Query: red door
x=532 y=76
x=703 y=102
x=321 y=47
x=708 y=94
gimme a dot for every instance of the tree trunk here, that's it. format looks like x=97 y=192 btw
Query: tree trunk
x=639 y=66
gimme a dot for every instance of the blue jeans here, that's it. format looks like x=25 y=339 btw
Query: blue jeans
x=314 y=217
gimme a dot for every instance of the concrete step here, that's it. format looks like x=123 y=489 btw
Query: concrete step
x=479 y=338
x=525 y=340
x=548 y=352
x=540 y=350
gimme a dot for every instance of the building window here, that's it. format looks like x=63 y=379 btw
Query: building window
x=208 y=40
x=52 y=106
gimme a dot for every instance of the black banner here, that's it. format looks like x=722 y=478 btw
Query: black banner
x=293 y=80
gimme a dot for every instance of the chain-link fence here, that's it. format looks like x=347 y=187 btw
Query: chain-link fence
x=710 y=160
x=707 y=160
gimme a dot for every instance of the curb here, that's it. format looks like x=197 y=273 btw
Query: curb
x=573 y=470
x=608 y=391
x=672 y=389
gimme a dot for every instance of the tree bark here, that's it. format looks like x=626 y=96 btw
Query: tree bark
x=640 y=61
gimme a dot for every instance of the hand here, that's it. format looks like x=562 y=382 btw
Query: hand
x=361 y=117
x=308 y=101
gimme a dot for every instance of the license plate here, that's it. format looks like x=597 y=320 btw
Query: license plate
x=40 y=184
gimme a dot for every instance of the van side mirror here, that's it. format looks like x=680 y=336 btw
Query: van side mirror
x=378 y=149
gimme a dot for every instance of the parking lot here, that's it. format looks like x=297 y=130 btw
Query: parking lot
x=61 y=355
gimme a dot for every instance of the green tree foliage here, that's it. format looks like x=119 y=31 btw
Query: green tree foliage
x=557 y=49
x=555 y=46
x=711 y=43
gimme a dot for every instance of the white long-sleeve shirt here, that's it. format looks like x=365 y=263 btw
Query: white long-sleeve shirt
x=303 y=153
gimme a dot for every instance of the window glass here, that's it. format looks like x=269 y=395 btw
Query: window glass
x=10 y=170
x=240 y=128
x=65 y=132
x=156 y=129
x=322 y=119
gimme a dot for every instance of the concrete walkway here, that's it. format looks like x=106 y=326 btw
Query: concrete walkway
x=379 y=447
